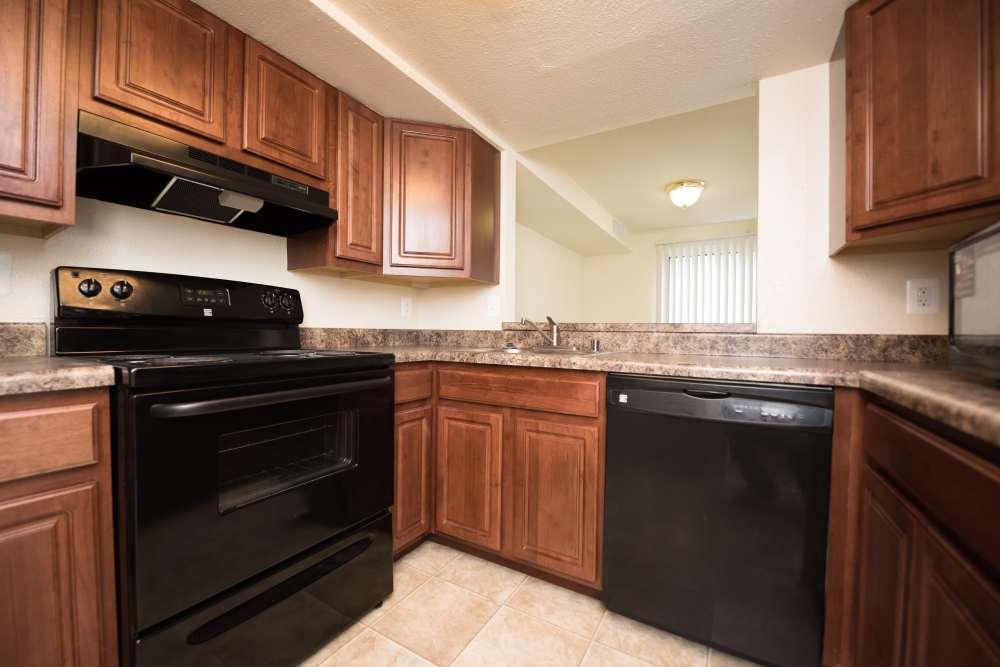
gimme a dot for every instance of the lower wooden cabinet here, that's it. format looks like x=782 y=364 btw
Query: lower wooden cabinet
x=469 y=446
x=552 y=493
x=411 y=518
x=57 y=604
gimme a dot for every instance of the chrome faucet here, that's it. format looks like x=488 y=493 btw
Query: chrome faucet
x=552 y=339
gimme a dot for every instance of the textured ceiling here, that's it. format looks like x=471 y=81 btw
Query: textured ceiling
x=626 y=170
x=544 y=71
x=302 y=32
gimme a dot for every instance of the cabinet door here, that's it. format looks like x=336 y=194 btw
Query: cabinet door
x=468 y=460
x=50 y=606
x=37 y=105
x=886 y=552
x=412 y=508
x=553 y=495
x=165 y=59
x=425 y=178
x=284 y=111
x=359 y=182
x=955 y=618
x=921 y=109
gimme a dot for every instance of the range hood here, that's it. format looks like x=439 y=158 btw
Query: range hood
x=125 y=165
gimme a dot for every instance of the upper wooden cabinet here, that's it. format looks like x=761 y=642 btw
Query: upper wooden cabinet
x=923 y=115
x=441 y=203
x=284 y=111
x=38 y=85
x=165 y=59
x=359 y=182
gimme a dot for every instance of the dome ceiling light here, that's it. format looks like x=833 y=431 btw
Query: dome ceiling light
x=685 y=193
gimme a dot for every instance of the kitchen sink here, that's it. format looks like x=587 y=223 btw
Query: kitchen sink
x=568 y=351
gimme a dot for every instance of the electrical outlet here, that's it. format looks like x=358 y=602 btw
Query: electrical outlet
x=405 y=306
x=5 y=271
x=492 y=305
x=923 y=296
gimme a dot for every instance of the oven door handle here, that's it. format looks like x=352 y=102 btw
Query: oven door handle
x=200 y=408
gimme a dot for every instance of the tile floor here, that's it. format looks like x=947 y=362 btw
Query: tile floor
x=450 y=608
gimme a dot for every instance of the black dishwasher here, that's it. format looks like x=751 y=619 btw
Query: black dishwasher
x=716 y=512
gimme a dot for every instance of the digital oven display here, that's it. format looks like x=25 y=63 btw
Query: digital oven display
x=200 y=296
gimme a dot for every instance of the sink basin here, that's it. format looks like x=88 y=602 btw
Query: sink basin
x=555 y=350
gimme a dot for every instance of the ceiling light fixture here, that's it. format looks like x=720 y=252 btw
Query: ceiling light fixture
x=685 y=193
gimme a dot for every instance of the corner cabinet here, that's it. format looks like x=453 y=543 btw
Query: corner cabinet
x=923 y=118
x=412 y=516
x=442 y=201
x=38 y=88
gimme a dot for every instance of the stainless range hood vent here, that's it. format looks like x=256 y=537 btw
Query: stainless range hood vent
x=124 y=165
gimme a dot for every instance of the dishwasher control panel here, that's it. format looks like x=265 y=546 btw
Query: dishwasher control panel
x=721 y=406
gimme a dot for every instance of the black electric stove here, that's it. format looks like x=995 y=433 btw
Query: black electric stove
x=253 y=478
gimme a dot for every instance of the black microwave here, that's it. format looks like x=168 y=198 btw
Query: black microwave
x=974 y=306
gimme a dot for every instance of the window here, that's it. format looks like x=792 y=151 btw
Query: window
x=708 y=282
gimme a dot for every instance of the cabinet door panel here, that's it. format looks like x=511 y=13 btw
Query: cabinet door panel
x=165 y=59
x=886 y=546
x=284 y=111
x=426 y=202
x=922 y=75
x=33 y=101
x=468 y=460
x=359 y=182
x=412 y=507
x=50 y=608
x=554 y=496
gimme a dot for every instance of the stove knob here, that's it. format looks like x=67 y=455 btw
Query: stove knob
x=89 y=287
x=287 y=301
x=267 y=298
x=122 y=290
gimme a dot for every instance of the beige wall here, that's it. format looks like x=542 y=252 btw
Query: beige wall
x=112 y=236
x=549 y=278
x=800 y=288
x=622 y=288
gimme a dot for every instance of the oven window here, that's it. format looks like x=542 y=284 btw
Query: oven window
x=263 y=462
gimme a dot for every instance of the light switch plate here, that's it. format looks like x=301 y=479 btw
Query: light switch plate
x=405 y=306
x=923 y=296
x=6 y=262
x=492 y=305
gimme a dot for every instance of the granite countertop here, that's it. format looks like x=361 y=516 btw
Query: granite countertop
x=27 y=375
x=934 y=391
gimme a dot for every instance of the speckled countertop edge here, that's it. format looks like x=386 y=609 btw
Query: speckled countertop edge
x=29 y=375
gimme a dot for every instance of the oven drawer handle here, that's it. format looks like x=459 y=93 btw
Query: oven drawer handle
x=200 y=408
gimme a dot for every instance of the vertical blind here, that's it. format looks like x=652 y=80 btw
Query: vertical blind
x=709 y=282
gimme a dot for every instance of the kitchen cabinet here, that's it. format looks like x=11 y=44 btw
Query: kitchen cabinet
x=56 y=535
x=552 y=492
x=468 y=453
x=441 y=215
x=38 y=84
x=414 y=445
x=923 y=119
x=284 y=111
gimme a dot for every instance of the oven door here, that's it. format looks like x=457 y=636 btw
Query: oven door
x=229 y=481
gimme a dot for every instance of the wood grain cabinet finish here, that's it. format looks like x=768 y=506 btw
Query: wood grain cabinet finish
x=468 y=453
x=284 y=111
x=57 y=588
x=359 y=182
x=38 y=83
x=922 y=112
x=552 y=492
x=165 y=59
x=414 y=444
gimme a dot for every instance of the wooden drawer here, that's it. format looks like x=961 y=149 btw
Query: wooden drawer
x=956 y=488
x=545 y=390
x=42 y=433
x=414 y=382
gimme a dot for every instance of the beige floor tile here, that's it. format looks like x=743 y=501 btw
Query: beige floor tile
x=405 y=580
x=430 y=557
x=599 y=655
x=720 y=659
x=341 y=640
x=437 y=620
x=481 y=576
x=370 y=649
x=650 y=644
x=567 y=609
x=513 y=639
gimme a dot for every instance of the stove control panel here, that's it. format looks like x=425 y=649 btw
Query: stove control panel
x=94 y=294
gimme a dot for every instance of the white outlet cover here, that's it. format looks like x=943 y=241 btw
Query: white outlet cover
x=405 y=306
x=923 y=296
x=6 y=263
x=492 y=305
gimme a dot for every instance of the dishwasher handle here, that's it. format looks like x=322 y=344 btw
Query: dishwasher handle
x=721 y=407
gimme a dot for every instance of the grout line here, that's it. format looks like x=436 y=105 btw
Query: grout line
x=395 y=643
